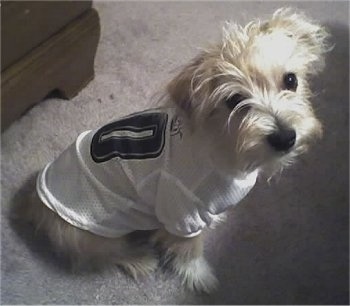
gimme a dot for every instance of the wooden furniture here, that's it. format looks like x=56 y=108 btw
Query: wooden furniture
x=46 y=46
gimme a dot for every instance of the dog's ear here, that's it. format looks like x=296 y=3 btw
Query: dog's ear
x=191 y=86
x=311 y=36
x=179 y=88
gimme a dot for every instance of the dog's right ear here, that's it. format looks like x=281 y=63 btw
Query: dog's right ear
x=192 y=86
x=180 y=89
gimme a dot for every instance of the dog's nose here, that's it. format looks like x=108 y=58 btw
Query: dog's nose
x=282 y=140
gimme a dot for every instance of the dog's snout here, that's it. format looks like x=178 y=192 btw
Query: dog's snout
x=282 y=140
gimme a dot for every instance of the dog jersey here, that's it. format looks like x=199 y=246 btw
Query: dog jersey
x=141 y=172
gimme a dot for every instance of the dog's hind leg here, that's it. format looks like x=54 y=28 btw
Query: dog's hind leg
x=185 y=256
x=86 y=249
x=139 y=258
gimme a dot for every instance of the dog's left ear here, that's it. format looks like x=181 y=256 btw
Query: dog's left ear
x=311 y=36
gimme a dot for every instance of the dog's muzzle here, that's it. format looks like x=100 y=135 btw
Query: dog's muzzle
x=282 y=140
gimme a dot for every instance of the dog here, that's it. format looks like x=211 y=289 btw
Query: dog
x=238 y=111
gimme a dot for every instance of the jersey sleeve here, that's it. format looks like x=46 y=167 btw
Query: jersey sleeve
x=177 y=208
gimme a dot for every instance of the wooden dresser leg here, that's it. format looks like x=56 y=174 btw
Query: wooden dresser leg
x=65 y=62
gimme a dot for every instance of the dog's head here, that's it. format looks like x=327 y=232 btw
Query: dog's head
x=251 y=91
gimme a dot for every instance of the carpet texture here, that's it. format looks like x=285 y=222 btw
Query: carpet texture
x=286 y=243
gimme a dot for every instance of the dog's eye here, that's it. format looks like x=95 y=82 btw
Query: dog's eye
x=233 y=101
x=290 y=81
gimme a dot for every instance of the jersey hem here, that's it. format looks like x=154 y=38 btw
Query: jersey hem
x=47 y=198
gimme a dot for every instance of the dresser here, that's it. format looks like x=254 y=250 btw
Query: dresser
x=47 y=48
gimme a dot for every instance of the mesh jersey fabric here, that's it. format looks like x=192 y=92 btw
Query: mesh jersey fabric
x=141 y=172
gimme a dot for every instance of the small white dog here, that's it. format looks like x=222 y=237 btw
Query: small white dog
x=239 y=110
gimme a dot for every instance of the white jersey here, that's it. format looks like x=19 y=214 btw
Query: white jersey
x=141 y=172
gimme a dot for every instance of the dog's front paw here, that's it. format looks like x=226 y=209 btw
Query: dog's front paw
x=196 y=275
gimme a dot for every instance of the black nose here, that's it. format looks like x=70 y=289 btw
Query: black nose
x=282 y=140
